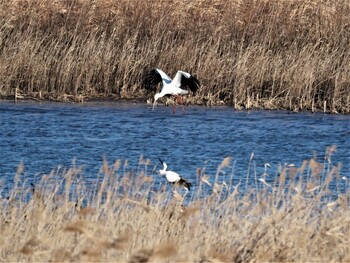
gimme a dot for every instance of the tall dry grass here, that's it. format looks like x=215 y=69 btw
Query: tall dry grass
x=128 y=217
x=249 y=54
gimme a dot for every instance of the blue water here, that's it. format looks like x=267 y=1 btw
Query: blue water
x=46 y=135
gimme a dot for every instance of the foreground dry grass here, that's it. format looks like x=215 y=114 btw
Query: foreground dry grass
x=125 y=218
x=249 y=54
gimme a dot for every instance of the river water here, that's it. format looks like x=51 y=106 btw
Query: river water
x=45 y=136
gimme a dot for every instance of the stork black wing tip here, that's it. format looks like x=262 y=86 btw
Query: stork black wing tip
x=154 y=77
x=196 y=80
x=186 y=184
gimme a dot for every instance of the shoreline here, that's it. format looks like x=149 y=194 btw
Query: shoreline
x=66 y=98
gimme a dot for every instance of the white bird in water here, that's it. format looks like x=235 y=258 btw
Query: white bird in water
x=179 y=86
x=173 y=177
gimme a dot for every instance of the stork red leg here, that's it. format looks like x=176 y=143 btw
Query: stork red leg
x=176 y=101
x=182 y=104
x=174 y=105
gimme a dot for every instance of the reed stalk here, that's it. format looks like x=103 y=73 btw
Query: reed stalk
x=62 y=218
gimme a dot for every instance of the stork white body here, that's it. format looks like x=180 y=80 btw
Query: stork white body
x=173 y=177
x=179 y=86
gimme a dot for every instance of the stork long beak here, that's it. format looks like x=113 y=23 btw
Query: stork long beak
x=154 y=104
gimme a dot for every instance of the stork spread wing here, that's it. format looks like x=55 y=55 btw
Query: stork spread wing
x=156 y=76
x=190 y=81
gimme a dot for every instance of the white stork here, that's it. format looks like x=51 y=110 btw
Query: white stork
x=180 y=85
x=173 y=177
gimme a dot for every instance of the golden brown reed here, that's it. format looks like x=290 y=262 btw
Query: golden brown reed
x=297 y=218
x=287 y=54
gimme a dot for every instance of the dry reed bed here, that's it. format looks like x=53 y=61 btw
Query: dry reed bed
x=249 y=54
x=125 y=217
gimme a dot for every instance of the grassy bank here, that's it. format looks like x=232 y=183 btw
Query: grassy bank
x=127 y=217
x=286 y=54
